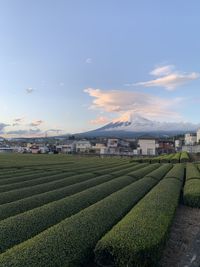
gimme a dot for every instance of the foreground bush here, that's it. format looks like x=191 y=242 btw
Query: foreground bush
x=54 y=176
x=25 y=225
x=19 y=206
x=175 y=158
x=191 y=192
x=70 y=242
x=139 y=238
x=184 y=157
x=166 y=158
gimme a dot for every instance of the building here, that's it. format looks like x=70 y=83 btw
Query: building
x=190 y=139
x=68 y=148
x=165 y=147
x=118 y=146
x=178 y=145
x=148 y=146
x=35 y=149
x=191 y=149
x=198 y=136
x=99 y=148
x=83 y=146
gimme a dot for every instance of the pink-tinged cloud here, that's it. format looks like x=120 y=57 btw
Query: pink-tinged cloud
x=121 y=102
x=99 y=120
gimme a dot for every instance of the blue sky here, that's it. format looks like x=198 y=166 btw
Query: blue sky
x=73 y=65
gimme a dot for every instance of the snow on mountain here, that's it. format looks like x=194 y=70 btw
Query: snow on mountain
x=137 y=123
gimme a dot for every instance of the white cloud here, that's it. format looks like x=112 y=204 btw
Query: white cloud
x=29 y=90
x=171 y=81
x=99 y=120
x=134 y=102
x=88 y=60
x=36 y=123
x=162 y=70
x=168 y=78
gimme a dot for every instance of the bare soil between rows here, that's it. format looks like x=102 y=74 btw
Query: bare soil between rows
x=183 y=246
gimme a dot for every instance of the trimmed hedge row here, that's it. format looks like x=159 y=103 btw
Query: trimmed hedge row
x=46 y=177
x=170 y=158
x=166 y=158
x=21 y=227
x=184 y=157
x=78 y=167
x=22 y=205
x=177 y=172
x=17 y=173
x=191 y=192
x=52 y=176
x=70 y=242
x=17 y=194
x=192 y=172
x=175 y=158
x=139 y=238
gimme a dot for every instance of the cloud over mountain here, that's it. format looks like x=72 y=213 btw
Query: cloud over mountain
x=118 y=101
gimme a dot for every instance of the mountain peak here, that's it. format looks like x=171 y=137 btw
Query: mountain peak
x=137 y=123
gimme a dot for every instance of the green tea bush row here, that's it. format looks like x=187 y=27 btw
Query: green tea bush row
x=191 y=192
x=35 y=180
x=166 y=158
x=71 y=242
x=139 y=238
x=21 y=227
x=50 y=176
x=175 y=158
x=22 y=205
x=184 y=157
x=17 y=194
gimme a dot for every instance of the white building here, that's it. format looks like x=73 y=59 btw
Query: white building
x=190 y=139
x=191 y=149
x=198 y=136
x=148 y=146
x=68 y=148
x=83 y=146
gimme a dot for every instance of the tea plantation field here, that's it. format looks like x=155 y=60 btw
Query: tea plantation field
x=59 y=210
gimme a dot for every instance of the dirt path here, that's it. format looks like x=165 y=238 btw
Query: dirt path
x=183 y=246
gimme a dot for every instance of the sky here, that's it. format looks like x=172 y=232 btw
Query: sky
x=69 y=66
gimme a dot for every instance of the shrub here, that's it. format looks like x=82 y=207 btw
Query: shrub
x=138 y=239
x=25 y=225
x=184 y=157
x=13 y=208
x=53 y=176
x=70 y=242
x=191 y=192
x=166 y=158
x=175 y=158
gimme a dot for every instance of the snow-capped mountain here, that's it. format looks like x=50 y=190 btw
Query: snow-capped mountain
x=138 y=123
